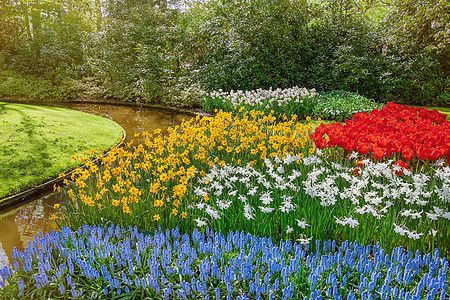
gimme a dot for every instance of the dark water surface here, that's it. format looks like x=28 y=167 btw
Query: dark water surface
x=19 y=225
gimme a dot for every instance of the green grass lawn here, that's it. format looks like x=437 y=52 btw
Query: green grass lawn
x=37 y=142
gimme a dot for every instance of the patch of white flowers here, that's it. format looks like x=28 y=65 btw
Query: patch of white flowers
x=377 y=191
x=251 y=190
x=262 y=97
x=377 y=188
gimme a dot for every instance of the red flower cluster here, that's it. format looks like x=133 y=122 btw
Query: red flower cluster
x=393 y=129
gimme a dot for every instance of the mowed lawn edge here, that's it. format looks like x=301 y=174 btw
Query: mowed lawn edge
x=37 y=142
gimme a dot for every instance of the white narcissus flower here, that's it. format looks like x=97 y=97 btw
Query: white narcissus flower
x=233 y=178
x=294 y=175
x=265 y=198
x=252 y=191
x=266 y=209
x=302 y=223
x=347 y=221
x=280 y=169
x=212 y=213
x=414 y=235
x=351 y=222
x=289 y=229
x=223 y=204
x=339 y=221
x=248 y=211
x=233 y=193
x=433 y=232
x=438 y=210
x=199 y=192
x=304 y=241
x=287 y=206
x=353 y=155
x=446 y=215
x=432 y=216
x=200 y=223
x=398 y=229
x=199 y=205
x=411 y=213
x=242 y=198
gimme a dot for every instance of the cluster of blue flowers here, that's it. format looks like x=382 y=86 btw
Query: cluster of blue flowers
x=167 y=265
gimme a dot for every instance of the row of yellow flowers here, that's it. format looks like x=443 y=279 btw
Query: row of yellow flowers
x=156 y=178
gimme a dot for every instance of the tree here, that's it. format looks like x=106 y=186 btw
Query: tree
x=10 y=27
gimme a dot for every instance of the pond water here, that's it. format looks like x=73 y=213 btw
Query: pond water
x=20 y=224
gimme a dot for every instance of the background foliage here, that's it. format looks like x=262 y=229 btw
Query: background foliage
x=168 y=51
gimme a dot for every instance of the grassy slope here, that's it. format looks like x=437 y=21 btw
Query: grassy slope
x=37 y=142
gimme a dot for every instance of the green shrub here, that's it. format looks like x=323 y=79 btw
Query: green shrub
x=15 y=86
x=340 y=105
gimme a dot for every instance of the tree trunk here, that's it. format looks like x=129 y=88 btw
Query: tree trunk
x=36 y=24
x=26 y=19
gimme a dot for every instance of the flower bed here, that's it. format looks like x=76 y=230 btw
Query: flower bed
x=395 y=131
x=318 y=200
x=335 y=105
x=340 y=105
x=293 y=101
x=157 y=180
x=111 y=262
x=262 y=177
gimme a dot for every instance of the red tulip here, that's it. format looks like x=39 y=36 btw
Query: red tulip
x=350 y=145
x=396 y=146
x=435 y=154
x=408 y=153
x=394 y=128
x=423 y=152
x=378 y=153
x=362 y=148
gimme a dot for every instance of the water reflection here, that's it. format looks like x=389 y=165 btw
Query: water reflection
x=134 y=119
x=19 y=226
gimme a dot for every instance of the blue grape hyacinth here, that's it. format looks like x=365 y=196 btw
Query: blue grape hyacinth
x=112 y=261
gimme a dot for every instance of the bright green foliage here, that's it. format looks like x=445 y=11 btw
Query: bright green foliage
x=247 y=45
x=38 y=142
x=416 y=44
x=341 y=105
x=150 y=51
x=15 y=86
x=133 y=55
x=327 y=46
x=48 y=37
x=9 y=24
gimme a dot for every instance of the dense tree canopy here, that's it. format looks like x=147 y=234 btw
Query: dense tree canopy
x=156 y=50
